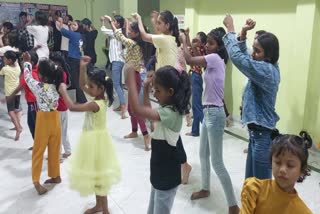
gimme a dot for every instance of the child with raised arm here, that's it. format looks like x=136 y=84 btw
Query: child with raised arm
x=94 y=167
x=137 y=53
x=46 y=134
x=172 y=90
x=289 y=157
x=166 y=43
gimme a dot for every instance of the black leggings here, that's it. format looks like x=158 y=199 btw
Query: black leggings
x=74 y=65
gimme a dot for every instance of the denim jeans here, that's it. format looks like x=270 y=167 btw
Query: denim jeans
x=258 y=164
x=196 y=81
x=211 y=138
x=143 y=75
x=161 y=201
x=116 y=78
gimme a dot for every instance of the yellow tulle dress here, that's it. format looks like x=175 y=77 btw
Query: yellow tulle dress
x=94 y=166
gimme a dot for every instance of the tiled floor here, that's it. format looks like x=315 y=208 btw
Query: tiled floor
x=131 y=194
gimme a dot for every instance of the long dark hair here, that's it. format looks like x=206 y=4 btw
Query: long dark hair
x=56 y=56
x=169 y=77
x=297 y=145
x=99 y=77
x=51 y=73
x=217 y=35
x=147 y=48
x=168 y=18
x=270 y=44
x=13 y=56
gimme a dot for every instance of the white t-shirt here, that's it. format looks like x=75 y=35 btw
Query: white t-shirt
x=7 y=48
x=40 y=34
x=167 y=50
x=64 y=40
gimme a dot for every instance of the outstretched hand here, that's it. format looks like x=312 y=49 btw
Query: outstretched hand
x=84 y=61
x=249 y=25
x=108 y=18
x=228 y=22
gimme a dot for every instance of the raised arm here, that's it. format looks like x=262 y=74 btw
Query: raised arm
x=191 y=60
x=84 y=61
x=147 y=37
x=104 y=30
x=88 y=106
x=153 y=18
x=144 y=111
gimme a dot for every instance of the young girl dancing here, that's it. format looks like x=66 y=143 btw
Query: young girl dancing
x=166 y=43
x=289 y=157
x=137 y=53
x=173 y=91
x=46 y=134
x=94 y=166
x=11 y=72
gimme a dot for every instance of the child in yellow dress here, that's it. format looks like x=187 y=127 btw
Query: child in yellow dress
x=94 y=166
x=289 y=157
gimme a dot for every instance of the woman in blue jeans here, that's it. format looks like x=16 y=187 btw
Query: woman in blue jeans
x=212 y=129
x=259 y=97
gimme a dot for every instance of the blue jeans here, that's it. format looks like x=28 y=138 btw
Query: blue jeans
x=116 y=78
x=211 y=138
x=258 y=163
x=143 y=75
x=196 y=81
x=161 y=201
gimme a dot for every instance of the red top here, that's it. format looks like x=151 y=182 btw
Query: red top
x=28 y=93
x=61 y=104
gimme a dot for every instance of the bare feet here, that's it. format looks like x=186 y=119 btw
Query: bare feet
x=201 y=194
x=40 y=189
x=66 y=155
x=189 y=134
x=13 y=129
x=188 y=118
x=18 y=132
x=56 y=180
x=131 y=135
x=186 y=169
x=93 y=210
x=147 y=139
x=117 y=109
x=123 y=111
x=234 y=210
x=30 y=148
x=245 y=151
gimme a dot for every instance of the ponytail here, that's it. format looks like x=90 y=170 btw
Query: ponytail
x=169 y=18
x=108 y=85
x=175 y=30
x=58 y=73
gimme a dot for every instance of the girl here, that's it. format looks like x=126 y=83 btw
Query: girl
x=172 y=90
x=136 y=53
x=46 y=134
x=197 y=49
x=166 y=43
x=90 y=34
x=74 y=54
x=260 y=94
x=29 y=96
x=117 y=61
x=58 y=59
x=40 y=33
x=212 y=128
x=93 y=165
x=289 y=157
x=11 y=72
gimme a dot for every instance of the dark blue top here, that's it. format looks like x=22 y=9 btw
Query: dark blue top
x=74 y=43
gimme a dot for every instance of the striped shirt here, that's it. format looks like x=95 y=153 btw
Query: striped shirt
x=115 y=46
x=133 y=53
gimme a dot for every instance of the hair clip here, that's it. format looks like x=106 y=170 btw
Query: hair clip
x=106 y=78
x=55 y=67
